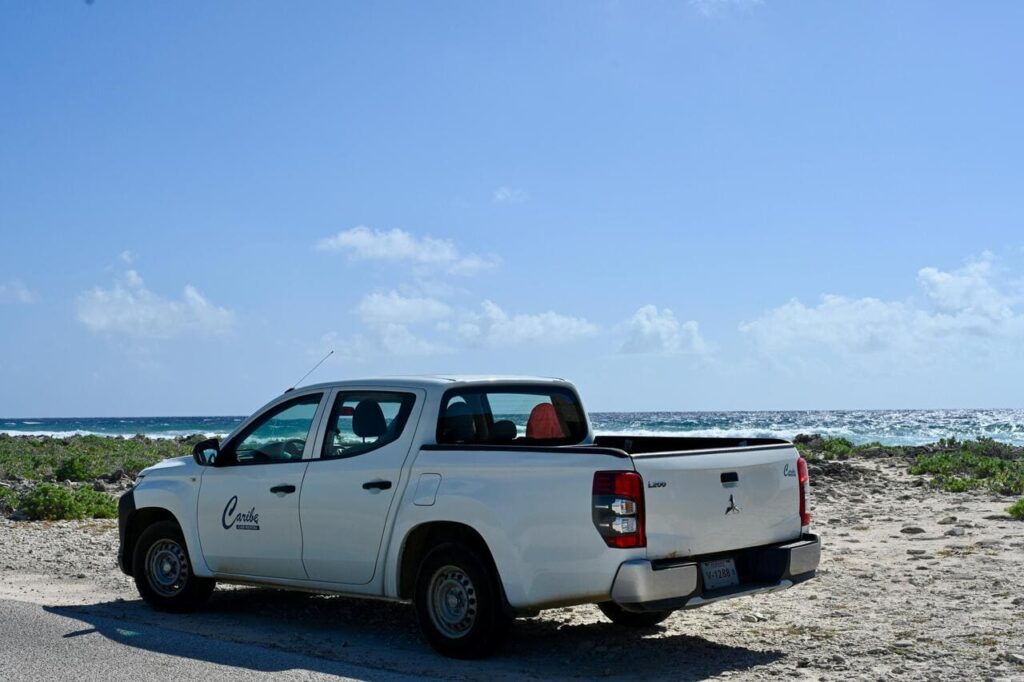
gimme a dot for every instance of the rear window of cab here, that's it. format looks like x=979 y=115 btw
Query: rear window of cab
x=511 y=415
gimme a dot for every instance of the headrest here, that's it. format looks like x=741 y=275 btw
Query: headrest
x=543 y=423
x=459 y=426
x=505 y=429
x=368 y=420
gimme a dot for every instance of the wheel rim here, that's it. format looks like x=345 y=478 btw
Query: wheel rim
x=166 y=567
x=452 y=602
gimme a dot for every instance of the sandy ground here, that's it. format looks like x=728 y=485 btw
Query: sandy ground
x=914 y=583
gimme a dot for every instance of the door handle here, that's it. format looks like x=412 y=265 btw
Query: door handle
x=283 y=489
x=377 y=485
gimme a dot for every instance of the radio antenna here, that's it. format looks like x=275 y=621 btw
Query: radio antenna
x=312 y=370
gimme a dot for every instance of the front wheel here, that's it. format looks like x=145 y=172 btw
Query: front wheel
x=163 y=574
x=459 y=604
x=629 y=619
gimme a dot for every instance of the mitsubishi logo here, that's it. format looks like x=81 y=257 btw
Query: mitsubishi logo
x=732 y=508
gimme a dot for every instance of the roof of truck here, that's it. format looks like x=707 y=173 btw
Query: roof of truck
x=433 y=380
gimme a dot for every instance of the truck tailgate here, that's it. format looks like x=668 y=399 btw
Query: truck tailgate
x=714 y=501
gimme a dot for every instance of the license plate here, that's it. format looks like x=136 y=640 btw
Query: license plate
x=719 y=573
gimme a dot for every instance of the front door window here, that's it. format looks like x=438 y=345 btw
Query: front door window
x=278 y=436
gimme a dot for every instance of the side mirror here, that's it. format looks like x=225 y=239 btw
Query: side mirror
x=204 y=452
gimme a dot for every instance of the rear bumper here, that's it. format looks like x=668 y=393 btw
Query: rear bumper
x=642 y=585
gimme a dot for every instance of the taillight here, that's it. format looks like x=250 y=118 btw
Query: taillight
x=618 y=502
x=804 y=481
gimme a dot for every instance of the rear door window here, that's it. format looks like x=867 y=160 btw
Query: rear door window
x=511 y=415
x=362 y=421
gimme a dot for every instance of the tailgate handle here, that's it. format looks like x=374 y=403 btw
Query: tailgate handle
x=730 y=477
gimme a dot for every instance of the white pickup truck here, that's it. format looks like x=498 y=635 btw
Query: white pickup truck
x=479 y=499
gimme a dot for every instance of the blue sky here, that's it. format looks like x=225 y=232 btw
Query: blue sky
x=678 y=205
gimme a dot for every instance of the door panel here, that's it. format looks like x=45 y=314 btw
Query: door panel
x=348 y=491
x=247 y=530
x=248 y=504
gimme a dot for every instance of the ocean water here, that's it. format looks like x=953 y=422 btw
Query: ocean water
x=892 y=427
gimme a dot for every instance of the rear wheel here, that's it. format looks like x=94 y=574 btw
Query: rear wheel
x=459 y=604
x=629 y=619
x=163 y=573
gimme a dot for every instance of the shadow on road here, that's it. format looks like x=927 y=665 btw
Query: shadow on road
x=383 y=636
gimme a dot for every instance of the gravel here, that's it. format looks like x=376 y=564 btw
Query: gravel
x=886 y=603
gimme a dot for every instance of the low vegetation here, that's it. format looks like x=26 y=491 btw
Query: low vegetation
x=953 y=465
x=84 y=458
x=962 y=471
x=48 y=502
x=51 y=465
x=8 y=500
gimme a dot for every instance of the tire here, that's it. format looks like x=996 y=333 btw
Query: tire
x=629 y=619
x=459 y=603
x=163 y=574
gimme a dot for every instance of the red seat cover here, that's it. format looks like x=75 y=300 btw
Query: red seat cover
x=543 y=423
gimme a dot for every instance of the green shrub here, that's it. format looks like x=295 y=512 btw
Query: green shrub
x=54 y=503
x=964 y=470
x=959 y=485
x=95 y=504
x=77 y=468
x=1016 y=510
x=8 y=499
x=987 y=447
x=836 y=447
x=49 y=502
x=816 y=447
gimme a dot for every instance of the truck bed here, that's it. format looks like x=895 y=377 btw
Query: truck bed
x=638 y=445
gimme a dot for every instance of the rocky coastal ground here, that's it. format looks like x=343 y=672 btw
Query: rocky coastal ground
x=915 y=583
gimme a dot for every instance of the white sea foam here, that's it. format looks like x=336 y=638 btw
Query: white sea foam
x=161 y=435
x=891 y=427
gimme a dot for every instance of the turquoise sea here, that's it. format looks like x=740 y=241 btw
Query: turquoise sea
x=892 y=427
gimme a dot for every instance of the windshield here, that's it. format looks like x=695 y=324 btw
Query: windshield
x=511 y=415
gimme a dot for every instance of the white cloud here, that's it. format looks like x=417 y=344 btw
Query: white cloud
x=839 y=323
x=398 y=339
x=15 y=291
x=414 y=320
x=389 y=339
x=129 y=308
x=510 y=195
x=968 y=291
x=962 y=308
x=393 y=307
x=495 y=327
x=709 y=8
x=388 y=319
x=363 y=243
x=659 y=332
x=398 y=325
x=127 y=257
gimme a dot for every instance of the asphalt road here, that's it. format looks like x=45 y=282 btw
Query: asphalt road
x=49 y=643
